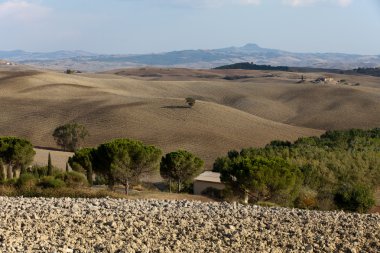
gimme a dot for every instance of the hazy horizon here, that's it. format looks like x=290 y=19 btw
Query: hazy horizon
x=147 y=26
x=184 y=49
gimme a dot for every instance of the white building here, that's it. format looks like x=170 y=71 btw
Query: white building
x=206 y=180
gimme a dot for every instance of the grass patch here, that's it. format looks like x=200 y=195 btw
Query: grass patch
x=63 y=192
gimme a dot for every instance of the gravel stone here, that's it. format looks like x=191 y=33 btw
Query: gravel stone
x=111 y=225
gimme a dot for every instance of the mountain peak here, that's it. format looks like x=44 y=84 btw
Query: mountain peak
x=251 y=46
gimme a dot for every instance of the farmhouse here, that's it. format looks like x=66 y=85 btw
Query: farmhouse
x=207 y=179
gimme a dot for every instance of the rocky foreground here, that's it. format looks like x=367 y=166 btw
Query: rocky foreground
x=109 y=225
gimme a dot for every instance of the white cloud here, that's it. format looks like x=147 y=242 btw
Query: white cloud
x=217 y=3
x=344 y=2
x=22 y=10
x=202 y=3
x=221 y=3
x=296 y=3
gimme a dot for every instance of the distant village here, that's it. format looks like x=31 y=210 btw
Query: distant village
x=7 y=63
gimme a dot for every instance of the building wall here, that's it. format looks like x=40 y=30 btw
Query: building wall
x=200 y=186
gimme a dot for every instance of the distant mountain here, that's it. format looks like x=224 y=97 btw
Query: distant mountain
x=193 y=59
x=22 y=56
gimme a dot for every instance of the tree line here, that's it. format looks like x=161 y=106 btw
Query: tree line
x=340 y=169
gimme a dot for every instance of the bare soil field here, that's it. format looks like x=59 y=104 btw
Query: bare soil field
x=149 y=105
x=119 y=225
x=58 y=158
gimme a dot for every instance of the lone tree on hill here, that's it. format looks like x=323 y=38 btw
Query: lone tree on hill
x=180 y=166
x=190 y=101
x=70 y=136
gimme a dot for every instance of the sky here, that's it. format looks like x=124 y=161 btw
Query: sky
x=151 y=26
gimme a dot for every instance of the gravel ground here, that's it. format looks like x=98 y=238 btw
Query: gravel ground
x=109 y=225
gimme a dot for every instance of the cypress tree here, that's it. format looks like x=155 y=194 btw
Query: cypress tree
x=50 y=166
x=89 y=176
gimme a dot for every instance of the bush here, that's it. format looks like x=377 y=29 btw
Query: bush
x=75 y=179
x=213 y=193
x=26 y=181
x=51 y=182
x=10 y=182
x=354 y=198
x=190 y=101
x=307 y=199
x=100 y=180
x=59 y=175
x=39 y=171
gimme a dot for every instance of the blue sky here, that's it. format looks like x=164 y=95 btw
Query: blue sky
x=144 y=26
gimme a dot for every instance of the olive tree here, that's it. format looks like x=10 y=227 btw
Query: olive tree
x=180 y=166
x=70 y=136
x=190 y=101
x=125 y=161
x=15 y=154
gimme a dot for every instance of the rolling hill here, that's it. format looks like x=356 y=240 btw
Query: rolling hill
x=148 y=104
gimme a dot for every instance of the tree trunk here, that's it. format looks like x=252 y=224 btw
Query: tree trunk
x=111 y=182
x=127 y=187
x=23 y=170
x=9 y=172
x=246 y=197
x=170 y=185
x=179 y=186
x=89 y=176
x=2 y=171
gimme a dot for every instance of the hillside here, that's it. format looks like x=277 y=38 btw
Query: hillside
x=148 y=104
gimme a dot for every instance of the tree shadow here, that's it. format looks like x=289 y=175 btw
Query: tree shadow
x=176 y=107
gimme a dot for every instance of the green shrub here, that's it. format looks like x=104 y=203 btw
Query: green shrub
x=59 y=175
x=100 y=180
x=39 y=171
x=213 y=193
x=10 y=182
x=75 y=179
x=51 y=182
x=26 y=181
x=355 y=198
x=307 y=199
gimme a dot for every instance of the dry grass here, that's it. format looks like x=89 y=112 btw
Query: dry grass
x=376 y=209
x=58 y=158
x=11 y=191
x=136 y=104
